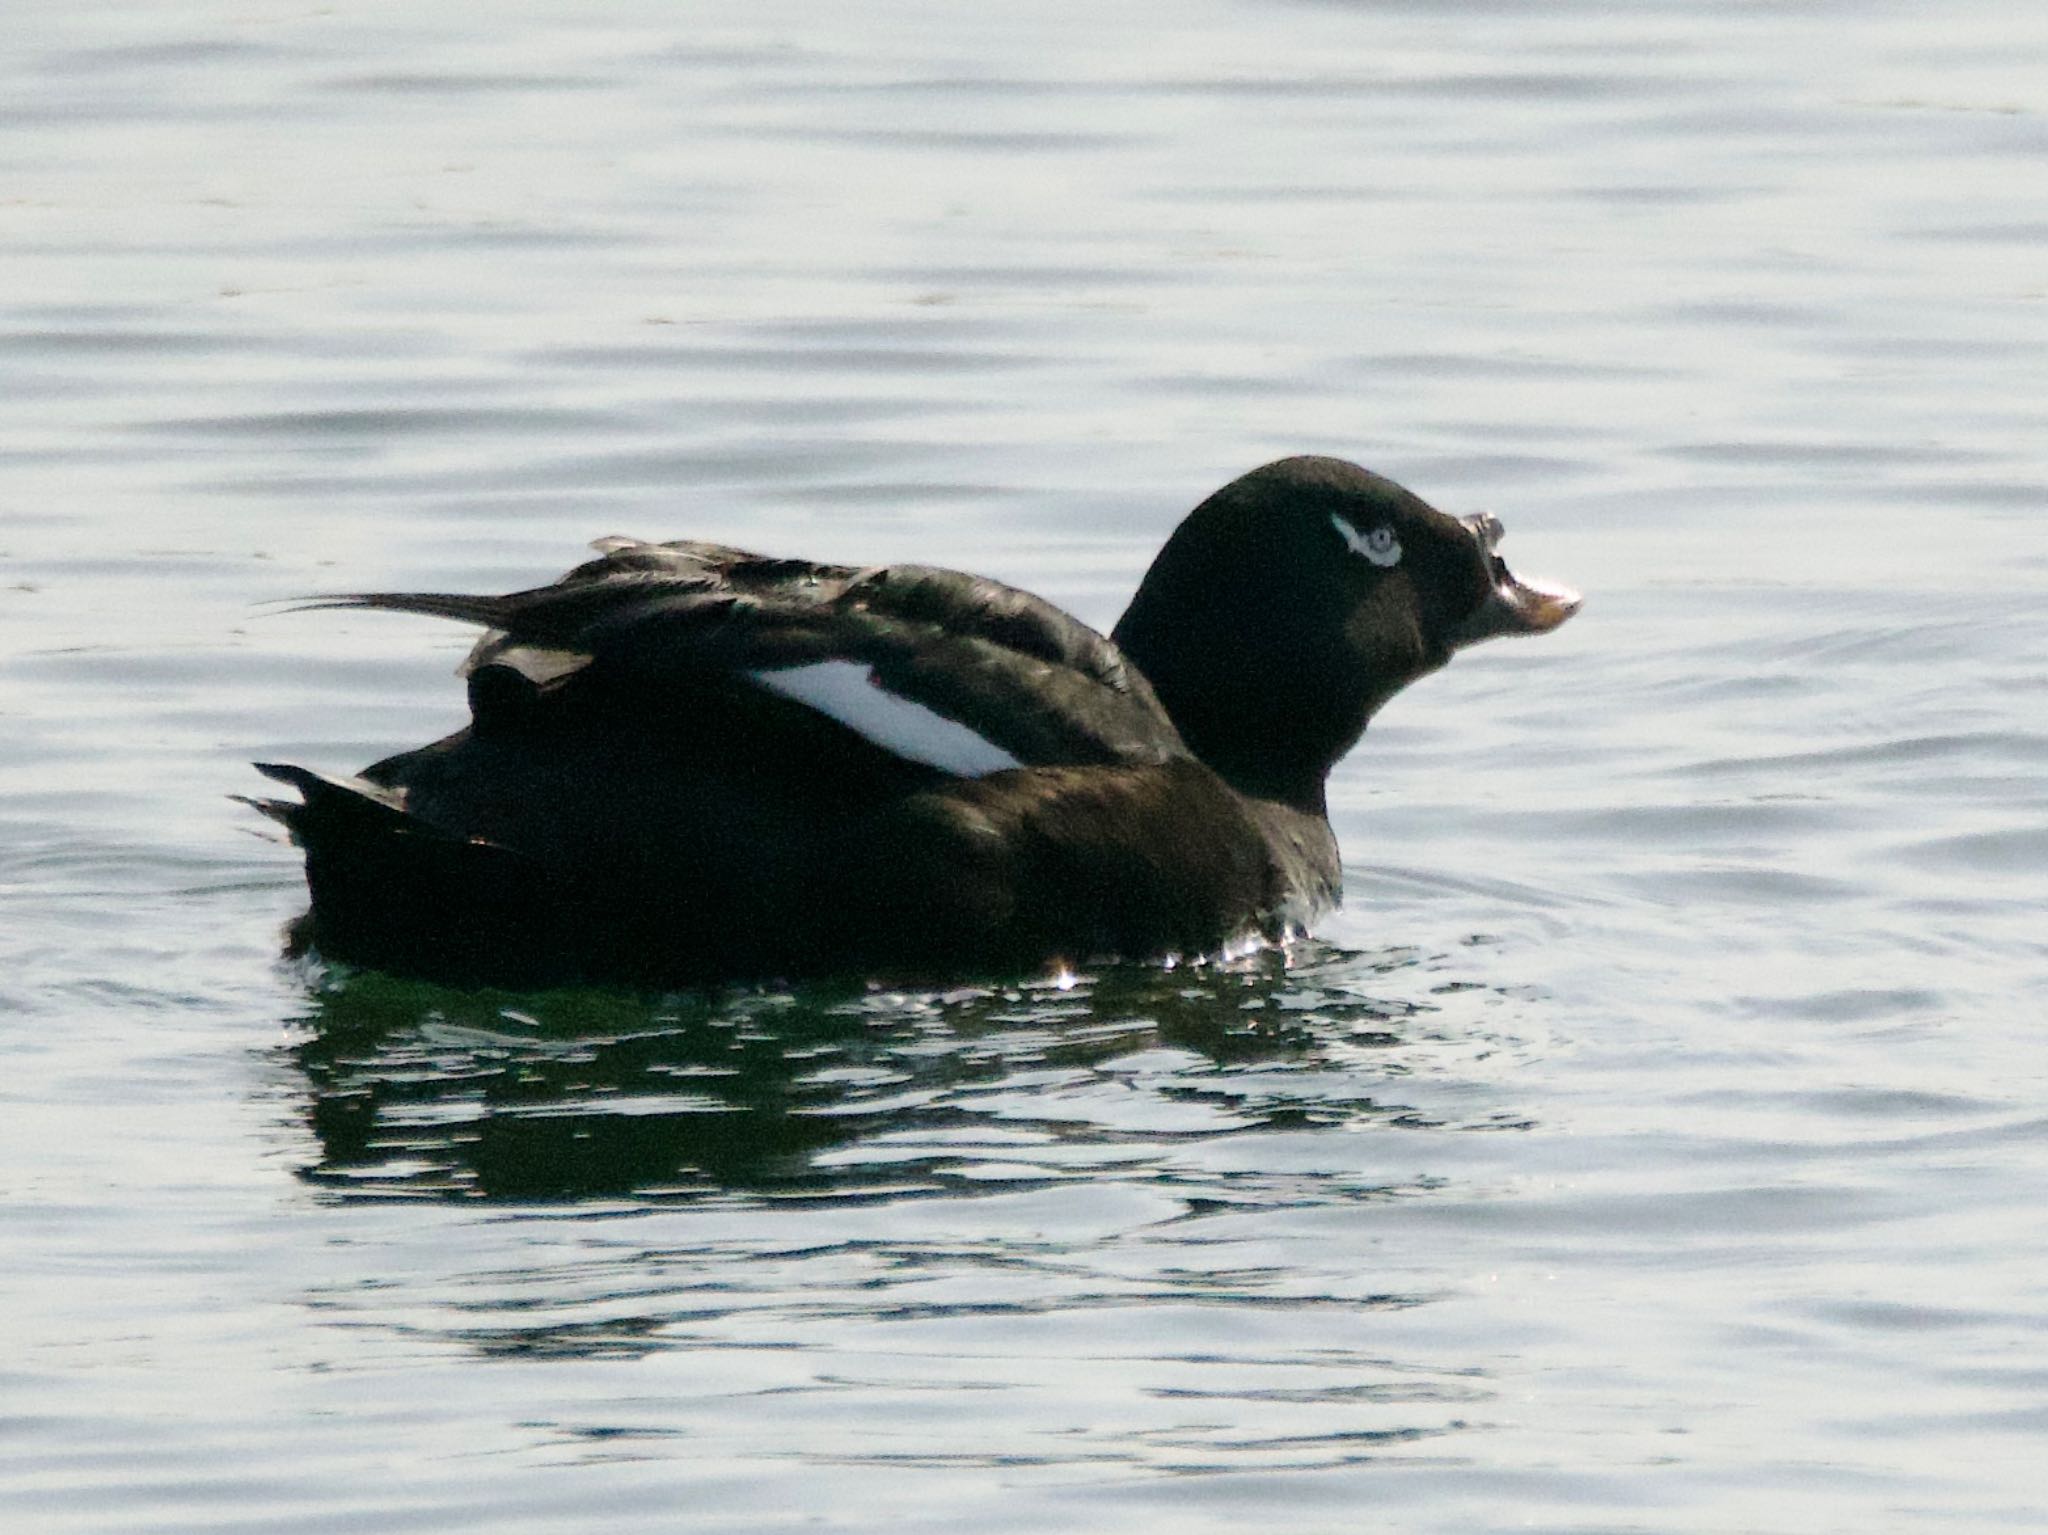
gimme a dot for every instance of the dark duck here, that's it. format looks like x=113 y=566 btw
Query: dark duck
x=689 y=763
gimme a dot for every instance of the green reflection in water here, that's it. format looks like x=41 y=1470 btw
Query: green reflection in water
x=835 y=1092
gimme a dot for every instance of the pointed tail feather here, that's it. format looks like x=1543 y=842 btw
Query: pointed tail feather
x=399 y=893
x=341 y=804
x=491 y=612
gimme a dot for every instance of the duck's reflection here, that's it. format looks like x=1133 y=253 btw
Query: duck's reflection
x=416 y=1091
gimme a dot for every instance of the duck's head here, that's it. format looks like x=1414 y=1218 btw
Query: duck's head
x=1299 y=598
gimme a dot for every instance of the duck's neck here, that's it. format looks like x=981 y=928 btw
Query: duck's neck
x=1249 y=655
x=1297 y=788
x=1245 y=710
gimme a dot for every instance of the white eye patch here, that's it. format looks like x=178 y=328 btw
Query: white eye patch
x=1380 y=545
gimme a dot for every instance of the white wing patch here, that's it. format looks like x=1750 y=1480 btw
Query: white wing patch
x=1381 y=546
x=848 y=692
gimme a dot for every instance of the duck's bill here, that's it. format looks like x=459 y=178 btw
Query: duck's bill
x=1515 y=606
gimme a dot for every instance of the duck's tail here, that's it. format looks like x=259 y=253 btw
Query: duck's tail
x=397 y=892
x=327 y=805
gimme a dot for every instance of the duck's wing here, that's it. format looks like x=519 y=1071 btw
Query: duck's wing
x=954 y=671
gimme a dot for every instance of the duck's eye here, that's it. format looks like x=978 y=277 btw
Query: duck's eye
x=1379 y=545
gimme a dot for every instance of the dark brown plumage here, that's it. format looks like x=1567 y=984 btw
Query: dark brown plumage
x=688 y=762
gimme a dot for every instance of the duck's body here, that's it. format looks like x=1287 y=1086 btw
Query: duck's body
x=686 y=762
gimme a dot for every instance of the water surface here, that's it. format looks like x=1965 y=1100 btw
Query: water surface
x=1656 y=1141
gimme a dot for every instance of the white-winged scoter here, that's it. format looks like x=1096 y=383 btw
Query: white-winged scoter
x=686 y=762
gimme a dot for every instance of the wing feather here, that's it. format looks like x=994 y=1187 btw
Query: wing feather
x=1033 y=682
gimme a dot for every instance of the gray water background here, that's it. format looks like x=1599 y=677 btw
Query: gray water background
x=1658 y=1140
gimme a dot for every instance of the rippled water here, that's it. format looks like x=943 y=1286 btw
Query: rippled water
x=1657 y=1141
